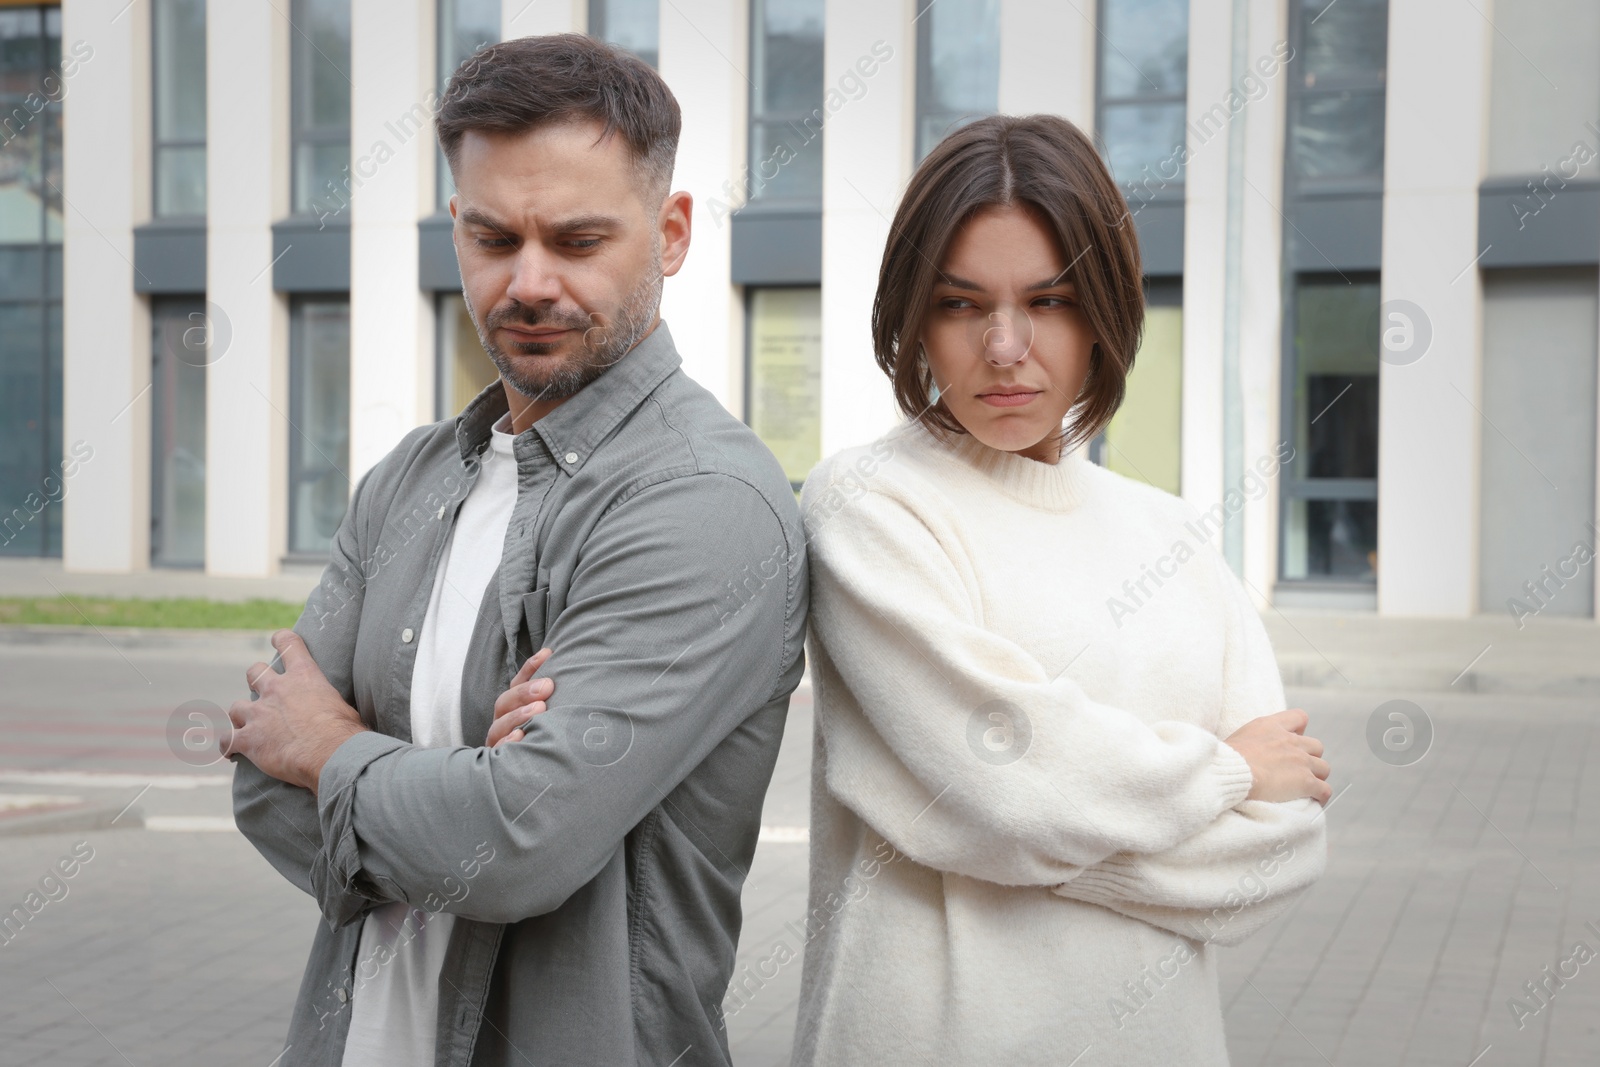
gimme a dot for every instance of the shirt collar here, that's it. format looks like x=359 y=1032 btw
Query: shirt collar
x=576 y=428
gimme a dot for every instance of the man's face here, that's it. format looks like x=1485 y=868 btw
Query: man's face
x=562 y=257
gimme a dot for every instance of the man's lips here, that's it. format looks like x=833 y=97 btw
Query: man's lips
x=534 y=333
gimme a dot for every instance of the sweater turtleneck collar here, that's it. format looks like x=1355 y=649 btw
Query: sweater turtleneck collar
x=1047 y=486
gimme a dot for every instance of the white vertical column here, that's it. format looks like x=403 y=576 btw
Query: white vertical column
x=704 y=60
x=1226 y=103
x=1261 y=293
x=1205 y=240
x=106 y=333
x=1047 y=60
x=392 y=155
x=1428 y=430
x=531 y=18
x=867 y=149
x=247 y=382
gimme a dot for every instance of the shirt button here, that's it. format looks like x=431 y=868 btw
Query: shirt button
x=406 y=635
x=441 y=513
x=341 y=994
x=572 y=457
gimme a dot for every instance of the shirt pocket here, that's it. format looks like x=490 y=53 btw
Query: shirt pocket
x=530 y=635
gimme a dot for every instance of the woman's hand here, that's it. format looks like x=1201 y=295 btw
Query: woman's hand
x=522 y=701
x=1285 y=764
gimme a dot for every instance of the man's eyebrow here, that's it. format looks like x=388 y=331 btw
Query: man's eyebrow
x=594 y=221
x=473 y=217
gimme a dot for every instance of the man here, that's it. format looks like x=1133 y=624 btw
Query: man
x=564 y=887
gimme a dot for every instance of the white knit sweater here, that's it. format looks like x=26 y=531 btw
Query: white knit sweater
x=1025 y=831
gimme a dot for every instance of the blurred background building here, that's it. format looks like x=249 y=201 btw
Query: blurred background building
x=1370 y=231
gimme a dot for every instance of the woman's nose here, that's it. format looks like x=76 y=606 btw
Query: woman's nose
x=1007 y=339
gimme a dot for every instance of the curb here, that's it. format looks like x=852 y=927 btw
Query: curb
x=77 y=817
x=132 y=638
x=1310 y=673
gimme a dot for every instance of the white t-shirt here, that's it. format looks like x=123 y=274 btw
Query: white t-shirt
x=393 y=1015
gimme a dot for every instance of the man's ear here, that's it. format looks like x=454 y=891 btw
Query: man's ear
x=674 y=221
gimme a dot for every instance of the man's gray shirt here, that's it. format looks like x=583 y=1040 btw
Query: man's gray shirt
x=656 y=549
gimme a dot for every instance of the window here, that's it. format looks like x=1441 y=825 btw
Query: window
x=178 y=74
x=319 y=410
x=1330 y=499
x=464 y=367
x=783 y=380
x=1538 y=331
x=1336 y=103
x=464 y=27
x=1532 y=123
x=1143 y=80
x=786 y=113
x=33 y=81
x=178 y=432
x=958 y=66
x=320 y=50
x=1144 y=439
x=631 y=24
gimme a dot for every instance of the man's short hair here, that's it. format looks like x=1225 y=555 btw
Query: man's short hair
x=520 y=85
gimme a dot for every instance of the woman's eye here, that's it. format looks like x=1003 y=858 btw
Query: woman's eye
x=1052 y=302
x=955 y=303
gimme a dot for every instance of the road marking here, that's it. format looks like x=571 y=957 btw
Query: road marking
x=785 y=835
x=113 y=779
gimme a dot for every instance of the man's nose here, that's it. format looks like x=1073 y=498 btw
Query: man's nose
x=535 y=279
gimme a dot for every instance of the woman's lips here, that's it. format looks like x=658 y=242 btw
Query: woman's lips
x=1007 y=400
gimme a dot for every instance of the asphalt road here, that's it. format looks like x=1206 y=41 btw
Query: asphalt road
x=1453 y=880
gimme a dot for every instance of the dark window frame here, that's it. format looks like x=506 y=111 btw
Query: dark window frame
x=157 y=142
x=1292 y=486
x=1169 y=189
x=922 y=94
x=1372 y=84
x=301 y=52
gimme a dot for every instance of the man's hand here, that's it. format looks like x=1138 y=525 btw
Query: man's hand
x=521 y=701
x=300 y=719
x=1286 y=764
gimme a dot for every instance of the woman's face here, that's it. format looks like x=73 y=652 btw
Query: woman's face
x=1006 y=342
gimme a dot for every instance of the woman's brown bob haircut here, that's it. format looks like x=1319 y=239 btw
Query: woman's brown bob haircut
x=529 y=82
x=1047 y=165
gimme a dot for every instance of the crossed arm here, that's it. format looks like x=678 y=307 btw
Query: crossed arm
x=637 y=642
x=1153 y=821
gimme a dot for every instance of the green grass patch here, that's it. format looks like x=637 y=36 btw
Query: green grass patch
x=176 y=613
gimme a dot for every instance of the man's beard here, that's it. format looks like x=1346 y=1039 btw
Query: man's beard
x=554 y=377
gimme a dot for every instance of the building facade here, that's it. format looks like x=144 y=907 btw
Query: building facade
x=1370 y=232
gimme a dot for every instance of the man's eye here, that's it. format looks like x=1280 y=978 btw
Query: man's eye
x=492 y=242
x=583 y=242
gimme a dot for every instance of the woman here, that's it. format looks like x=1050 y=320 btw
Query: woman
x=1051 y=765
